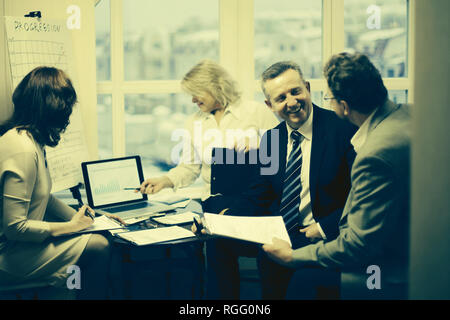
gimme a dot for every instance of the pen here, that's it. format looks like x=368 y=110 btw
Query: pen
x=132 y=188
x=88 y=210
x=88 y=213
x=77 y=195
x=198 y=226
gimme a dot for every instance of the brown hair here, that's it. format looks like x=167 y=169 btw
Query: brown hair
x=354 y=79
x=43 y=103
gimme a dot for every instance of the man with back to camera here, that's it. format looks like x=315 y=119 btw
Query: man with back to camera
x=309 y=188
x=373 y=230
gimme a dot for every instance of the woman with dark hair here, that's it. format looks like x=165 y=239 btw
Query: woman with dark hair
x=31 y=247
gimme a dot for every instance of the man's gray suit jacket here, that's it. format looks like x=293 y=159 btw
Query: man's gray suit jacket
x=373 y=229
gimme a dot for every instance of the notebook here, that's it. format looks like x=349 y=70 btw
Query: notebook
x=107 y=184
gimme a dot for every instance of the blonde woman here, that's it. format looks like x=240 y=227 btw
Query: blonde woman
x=223 y=120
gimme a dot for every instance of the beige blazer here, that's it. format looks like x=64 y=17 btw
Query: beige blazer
x=27 y=252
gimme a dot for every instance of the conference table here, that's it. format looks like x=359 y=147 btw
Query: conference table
x=165 y=270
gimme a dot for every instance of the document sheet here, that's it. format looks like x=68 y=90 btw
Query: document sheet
x=177 y=218
x=149 y=236
x=255 y=229
x=102 y=223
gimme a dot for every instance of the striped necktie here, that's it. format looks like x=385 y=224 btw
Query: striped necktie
x=290 y=201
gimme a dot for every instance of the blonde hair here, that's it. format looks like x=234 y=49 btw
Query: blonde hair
x=208 y=76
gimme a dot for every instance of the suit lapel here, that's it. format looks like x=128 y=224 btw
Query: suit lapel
x=282 y=145
x=381 y=113
x=317 y=148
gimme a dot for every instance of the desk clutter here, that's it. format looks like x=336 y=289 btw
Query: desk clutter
x=174 y=219
x=158 y=257
x=150 y=236
x=159 y=261
x=149 y=233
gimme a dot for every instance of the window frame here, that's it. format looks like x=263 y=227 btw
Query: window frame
x=236 y=55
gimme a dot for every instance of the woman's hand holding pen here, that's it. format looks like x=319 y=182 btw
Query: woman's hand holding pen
x=82 y=219
x=154 y=185
x=88 y=212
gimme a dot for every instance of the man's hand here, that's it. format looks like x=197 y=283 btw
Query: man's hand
x=312 y=232
x=279 y=251
x=154 y=185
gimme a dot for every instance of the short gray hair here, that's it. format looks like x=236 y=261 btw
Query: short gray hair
x=276 y=69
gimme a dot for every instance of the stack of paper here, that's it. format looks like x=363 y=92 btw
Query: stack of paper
x=177 y=218
x=149 y=236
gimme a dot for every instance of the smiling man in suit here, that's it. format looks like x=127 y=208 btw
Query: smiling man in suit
x=373 y=230
x=309 y=188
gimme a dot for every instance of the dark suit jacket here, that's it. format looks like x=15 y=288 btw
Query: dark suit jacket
x=331 y=158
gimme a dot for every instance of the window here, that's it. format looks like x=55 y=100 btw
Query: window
x=294 y=32
x=103 y=40
x=164 y=39
x=144 y=47
x=150 y=120
x=379 y=29
x=104 y=114
x=398 y=96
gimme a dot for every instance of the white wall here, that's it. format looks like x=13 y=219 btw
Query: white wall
x=430 y=207
x=83 y=53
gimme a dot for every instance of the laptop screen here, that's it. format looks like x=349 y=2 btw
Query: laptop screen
x=106 y=181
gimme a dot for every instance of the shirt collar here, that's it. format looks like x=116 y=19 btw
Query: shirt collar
x=305 y=129
x=360 y=137
x=233 y=109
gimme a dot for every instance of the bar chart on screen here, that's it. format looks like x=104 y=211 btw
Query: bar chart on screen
x=112 y=186
x=110 y=181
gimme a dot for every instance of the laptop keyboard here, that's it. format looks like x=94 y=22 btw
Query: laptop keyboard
x=135 y=206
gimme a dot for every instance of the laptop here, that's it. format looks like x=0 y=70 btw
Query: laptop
x=108 y=183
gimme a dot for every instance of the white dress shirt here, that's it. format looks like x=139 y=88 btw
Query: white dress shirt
x=360 y=137
x=306 y=216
